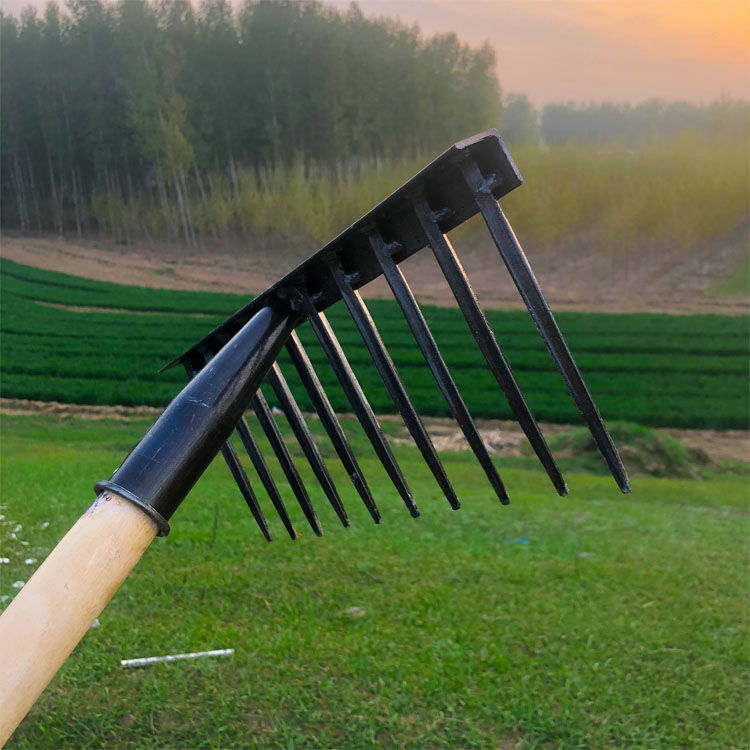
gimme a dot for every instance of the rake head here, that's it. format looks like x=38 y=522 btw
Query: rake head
x=228 y=365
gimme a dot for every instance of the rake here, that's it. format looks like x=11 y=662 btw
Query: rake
x=230 y=367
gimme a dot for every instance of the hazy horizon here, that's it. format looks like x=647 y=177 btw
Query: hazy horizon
x=588 y=50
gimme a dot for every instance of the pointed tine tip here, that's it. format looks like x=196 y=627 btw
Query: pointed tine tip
x=453 y=500
x=558 y=482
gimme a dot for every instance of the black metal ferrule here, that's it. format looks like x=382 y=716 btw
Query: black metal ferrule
x=160 y=471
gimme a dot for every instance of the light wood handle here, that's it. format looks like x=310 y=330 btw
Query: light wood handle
x=60 y=602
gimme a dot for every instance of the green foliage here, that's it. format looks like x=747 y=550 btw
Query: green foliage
x=136 y=118
x=592 y=621
x=660 y=370
x=644 y=451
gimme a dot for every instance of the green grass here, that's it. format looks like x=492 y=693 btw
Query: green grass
x=621 y=622
x=661 y=370
x=738 y=282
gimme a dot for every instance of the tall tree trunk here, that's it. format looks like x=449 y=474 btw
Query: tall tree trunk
x=181 y=204
x=34 y=194
x=56 y=207
x=233 y=175
x=20 y=195
x=186 y=198
x=165 y=204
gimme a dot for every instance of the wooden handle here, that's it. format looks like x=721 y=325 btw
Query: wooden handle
x=60 y=602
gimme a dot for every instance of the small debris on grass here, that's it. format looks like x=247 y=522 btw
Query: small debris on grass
x=30 y=560
x=148 y=660
x=355 y=612
x=517 y=540
x=4 y=560
x=18 y=528
x=18 y=584
x=586 y=554
x=45 y=525
x=96 y=623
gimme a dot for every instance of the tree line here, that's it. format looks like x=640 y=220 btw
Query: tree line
x=629 y=124
x=157 y=101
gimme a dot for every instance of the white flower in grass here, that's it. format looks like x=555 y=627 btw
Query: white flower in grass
x=18 y=584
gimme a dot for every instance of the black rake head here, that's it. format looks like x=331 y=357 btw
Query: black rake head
x=227 y=368
x=468 y=178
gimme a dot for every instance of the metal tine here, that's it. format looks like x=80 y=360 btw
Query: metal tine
x=358 y=400
x=263 y=472
x=485 y=338
x=268 y=423
x=392 y=381
x=330 y=422
x=523 y=277
x=238 y=473
x=432 y=355
x=305 y=439
x=233 y=462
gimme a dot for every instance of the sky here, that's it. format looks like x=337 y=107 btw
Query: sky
x=590 y=50
x=598 y=50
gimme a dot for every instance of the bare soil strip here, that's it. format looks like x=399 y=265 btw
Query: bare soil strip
x=576 y=276
x=118 y=310
x=503 y=438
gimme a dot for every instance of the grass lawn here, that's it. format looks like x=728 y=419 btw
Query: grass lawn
x=592 y=621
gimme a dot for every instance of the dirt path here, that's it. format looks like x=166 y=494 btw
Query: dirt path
x=503 y=438
x=575 y=277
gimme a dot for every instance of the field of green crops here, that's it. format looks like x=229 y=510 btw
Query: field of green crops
x=70 y=339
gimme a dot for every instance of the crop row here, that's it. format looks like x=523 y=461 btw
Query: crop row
x=683 y=374
x=37 y=284
x=653 y=369
x=25 y=318
x=553 y=406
